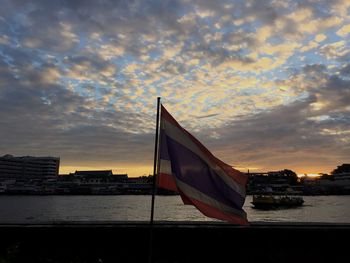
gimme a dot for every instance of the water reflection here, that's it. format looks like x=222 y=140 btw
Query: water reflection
x=169 y=208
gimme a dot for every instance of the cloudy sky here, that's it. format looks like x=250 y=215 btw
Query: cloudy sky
x=265 y=85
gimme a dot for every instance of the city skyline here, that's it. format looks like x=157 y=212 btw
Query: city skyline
x=264 y=85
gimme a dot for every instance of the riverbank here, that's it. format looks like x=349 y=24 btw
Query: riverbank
x=173 y=242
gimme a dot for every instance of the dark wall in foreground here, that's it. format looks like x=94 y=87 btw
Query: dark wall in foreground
x=185 y=242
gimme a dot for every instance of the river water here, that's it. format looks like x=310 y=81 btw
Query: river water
x=36 y=209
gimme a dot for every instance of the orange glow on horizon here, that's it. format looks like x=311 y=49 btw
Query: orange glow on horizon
x=136 y=171
x=309 y=175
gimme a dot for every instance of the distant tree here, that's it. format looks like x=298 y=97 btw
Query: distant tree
x=289 y=172
x=327 y=176
x=293 y=178
x=146 y=178
x=149 y=179
x=344 y=168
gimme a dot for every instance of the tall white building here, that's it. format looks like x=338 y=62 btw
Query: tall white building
x=28 y=166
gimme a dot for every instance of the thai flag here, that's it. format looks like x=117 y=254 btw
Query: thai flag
x=202 y=180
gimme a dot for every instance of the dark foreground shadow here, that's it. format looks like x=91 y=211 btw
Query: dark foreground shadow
x=174 y=242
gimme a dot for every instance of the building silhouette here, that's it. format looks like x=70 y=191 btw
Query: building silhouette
x=28 y=166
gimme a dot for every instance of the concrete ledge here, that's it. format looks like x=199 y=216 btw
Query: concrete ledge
x=172 y=224
x=173 y=242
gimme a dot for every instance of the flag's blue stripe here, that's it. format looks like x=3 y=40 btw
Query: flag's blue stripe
x=164 y=155
x=192 y=170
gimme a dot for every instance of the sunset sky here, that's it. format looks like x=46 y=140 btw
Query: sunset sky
x=265 y=85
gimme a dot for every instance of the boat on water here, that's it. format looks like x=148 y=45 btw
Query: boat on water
x=263 y=201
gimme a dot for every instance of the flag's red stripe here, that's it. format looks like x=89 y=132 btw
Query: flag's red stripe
x=186 y=200
x=166 y=115
x=235 y=174
x=167 y=181
x=216 y=213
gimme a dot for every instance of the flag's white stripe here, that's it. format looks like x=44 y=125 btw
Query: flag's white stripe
x=193 y=193
x=178 y=135
x=165 y=167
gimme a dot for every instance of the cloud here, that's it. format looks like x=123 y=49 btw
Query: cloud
x=344 y=30
x=310 y=45
x=320 y=37
x=48 y=119
x=334 y=50
x=82 y=75
x=291 y=133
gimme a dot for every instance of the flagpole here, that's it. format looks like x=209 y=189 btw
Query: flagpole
x=154 y=183
x=155 y=161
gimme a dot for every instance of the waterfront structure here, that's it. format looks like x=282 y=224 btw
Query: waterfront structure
x=28 y=167
x=102 y=182
x=334 y=184
x=342 y=179
x=278 y=181
x=94 y=173
x=92 y=177
x=98 y=176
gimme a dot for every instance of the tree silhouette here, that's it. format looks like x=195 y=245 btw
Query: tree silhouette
x=344 y=168
x=293 y=178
